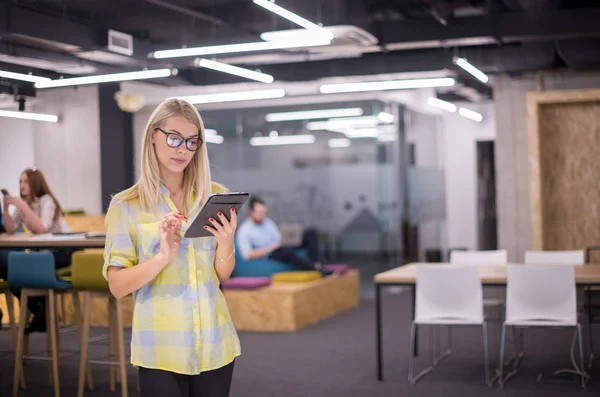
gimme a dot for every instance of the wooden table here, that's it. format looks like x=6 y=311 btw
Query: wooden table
x=491 y=275
x=28 y=241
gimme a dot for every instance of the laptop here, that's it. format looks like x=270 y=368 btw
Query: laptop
x=291 y=234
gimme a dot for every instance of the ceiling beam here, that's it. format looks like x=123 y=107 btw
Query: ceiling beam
x=512 y=27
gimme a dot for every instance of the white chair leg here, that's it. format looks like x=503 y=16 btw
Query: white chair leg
x=411 y=357
x=486 y=354
x=501 y=366
x=584 y=375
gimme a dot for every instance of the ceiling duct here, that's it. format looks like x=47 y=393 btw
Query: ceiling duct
x=580 y=53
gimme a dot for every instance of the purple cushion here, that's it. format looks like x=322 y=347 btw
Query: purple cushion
x=246 y=282
x=337 y=269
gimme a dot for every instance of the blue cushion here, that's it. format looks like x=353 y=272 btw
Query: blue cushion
x=262 y=267
x=33 y=270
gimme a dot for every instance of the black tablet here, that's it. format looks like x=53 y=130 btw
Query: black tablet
x=215 y=203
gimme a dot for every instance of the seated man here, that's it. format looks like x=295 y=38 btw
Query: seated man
x=258 y=237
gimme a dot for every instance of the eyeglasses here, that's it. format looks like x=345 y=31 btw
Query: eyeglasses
x=175 y=140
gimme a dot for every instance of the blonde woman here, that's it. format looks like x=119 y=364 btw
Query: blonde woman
x=183 y=340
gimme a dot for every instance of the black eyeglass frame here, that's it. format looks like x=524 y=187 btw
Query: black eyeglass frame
x=186 y=140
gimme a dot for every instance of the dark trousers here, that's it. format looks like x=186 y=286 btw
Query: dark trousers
x=290 y=255
x=310 y=243
x=62 y=258
x=158 y=383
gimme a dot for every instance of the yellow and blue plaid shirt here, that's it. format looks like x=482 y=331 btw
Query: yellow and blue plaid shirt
x=181 y=322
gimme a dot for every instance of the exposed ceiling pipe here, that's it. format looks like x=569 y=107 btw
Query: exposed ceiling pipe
x=189 y=12
x=533 y=7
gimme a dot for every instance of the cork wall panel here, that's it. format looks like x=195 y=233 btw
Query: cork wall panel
x=569 y=172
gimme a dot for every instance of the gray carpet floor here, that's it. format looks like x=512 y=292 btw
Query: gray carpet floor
x=337 y=358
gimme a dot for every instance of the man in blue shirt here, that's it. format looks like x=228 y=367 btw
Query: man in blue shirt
x=258 y=236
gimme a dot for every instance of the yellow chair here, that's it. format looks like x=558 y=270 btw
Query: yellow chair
x=87 y=277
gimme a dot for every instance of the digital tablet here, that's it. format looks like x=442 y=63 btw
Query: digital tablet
x=215 y=203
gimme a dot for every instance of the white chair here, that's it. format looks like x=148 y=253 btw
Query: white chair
x=447 y=296
x=575 y=257
x=541 y=296
x=483 y=258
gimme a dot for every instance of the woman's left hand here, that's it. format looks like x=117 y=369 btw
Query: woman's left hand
x=225 y=231
x=15 y=200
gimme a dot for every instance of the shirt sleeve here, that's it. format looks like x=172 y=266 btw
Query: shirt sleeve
x=119 y=249
x=244 y=245
x=47 y=210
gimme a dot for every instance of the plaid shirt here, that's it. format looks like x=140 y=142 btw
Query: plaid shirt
x=181 y=322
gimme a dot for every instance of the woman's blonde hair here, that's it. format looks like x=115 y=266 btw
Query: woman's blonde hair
x=196 y=176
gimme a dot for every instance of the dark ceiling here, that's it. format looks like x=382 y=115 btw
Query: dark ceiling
x=54 y=37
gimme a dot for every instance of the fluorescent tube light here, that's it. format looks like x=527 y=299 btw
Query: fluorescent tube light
x=29 y=116
x=23 y=77
x=362 y=133
x=478 y=74
x=107 y=78
x=314 y=114
x=349 y=122
x=438 y=103
x=242 y=47
x=470 y=114
x=297 y=19
x=218 y=139
x=210 y=131
x=338 y=142
x=234 y=96
x=387 y=85
x=386 y=117
x=237 y=71
x=282 y=140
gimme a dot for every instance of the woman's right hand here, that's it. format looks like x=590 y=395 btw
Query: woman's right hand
x=170 y=236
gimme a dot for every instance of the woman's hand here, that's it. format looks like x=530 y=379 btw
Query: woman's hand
x=225 y=231
x=16 y=201
x=170 y=236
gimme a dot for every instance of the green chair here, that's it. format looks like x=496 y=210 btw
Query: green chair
x=87 y=278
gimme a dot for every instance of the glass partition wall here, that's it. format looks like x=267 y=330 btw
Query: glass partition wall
x=340 y=168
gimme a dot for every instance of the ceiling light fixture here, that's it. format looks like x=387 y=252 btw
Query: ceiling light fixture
x=29 y=116
x=438 y=103
x=387 y=85
x=237 y=71
x=297 y=19
x=347 y=122
x=478 y=74
x=218 y=139
x=470 y=114
x=282 y=140
x=386 y=117
x=338 y=142
x=107 y=78
x=242 y=47
x=234 y=96
x=314 y=114
x=362 y=133
x=23 y=77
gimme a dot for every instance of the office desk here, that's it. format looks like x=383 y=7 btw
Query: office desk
x=28 y=241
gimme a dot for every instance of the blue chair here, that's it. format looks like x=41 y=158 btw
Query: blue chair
x=262 y=267
x=35 y=274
